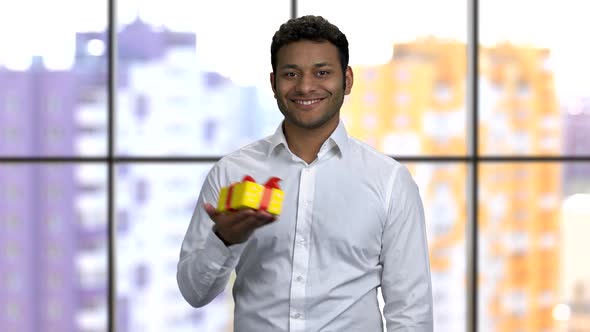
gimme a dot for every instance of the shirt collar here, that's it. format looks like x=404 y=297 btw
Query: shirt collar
x=339 y=138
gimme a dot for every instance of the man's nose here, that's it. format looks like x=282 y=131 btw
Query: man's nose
x=305 y=84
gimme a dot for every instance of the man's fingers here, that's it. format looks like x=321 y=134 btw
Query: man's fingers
x=211 y=211
x=227 y=219
x=259 y=219
x=241 y=221
x=266 y=216
x=246 y=222
x=214 y=214
x=237 y=226
x=250 y=224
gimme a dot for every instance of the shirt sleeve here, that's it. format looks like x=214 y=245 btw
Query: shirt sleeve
x=406 y=283
x=205 y=263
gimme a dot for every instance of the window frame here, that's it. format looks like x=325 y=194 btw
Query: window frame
x=472 y=160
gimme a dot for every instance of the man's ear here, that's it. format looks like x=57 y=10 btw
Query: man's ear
x=348 y=80
x=272 y=83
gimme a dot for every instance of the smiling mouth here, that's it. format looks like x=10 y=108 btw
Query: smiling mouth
x=307 y=102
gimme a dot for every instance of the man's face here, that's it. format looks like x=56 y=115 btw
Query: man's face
x=309 y=84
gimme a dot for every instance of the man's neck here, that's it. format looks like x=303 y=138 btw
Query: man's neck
x=306 y=143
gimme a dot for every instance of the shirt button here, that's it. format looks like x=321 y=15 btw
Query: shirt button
x=297 y=316
x=299 y=279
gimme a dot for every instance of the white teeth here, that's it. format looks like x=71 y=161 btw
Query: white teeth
x=307 y=102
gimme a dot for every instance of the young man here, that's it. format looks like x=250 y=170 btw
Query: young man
x=352 y=218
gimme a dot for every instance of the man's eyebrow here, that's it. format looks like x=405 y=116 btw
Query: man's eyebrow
x=321 y=64
x=289 y=66
x=316 y=65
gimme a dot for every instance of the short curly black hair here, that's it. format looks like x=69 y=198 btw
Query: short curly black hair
x=310 y=27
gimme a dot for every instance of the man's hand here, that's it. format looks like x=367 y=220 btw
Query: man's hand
x=236 y=227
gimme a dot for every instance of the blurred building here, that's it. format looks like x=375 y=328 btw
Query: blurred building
x=54 y=255
x=520 y=210
x=576 y=143
x=415 y=105
x=168 y=105
x=48 y=234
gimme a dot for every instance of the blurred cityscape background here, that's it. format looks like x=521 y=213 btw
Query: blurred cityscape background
x=192 y=80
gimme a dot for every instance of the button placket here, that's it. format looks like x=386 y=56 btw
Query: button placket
x=301 y=250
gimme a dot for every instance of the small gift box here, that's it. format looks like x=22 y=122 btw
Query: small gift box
x=249 y=194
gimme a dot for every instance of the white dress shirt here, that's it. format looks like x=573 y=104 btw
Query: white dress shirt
x=352 y=221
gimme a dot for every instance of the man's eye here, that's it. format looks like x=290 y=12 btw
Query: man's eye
x=323 y=73
x=291 y=74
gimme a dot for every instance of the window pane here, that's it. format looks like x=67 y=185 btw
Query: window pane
x=154 y=207
x=534 y=78
x=443 y=190
x=194 y=76
x=52 y=78
x=533 y=237
x=53 y=254
x=409 y=64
